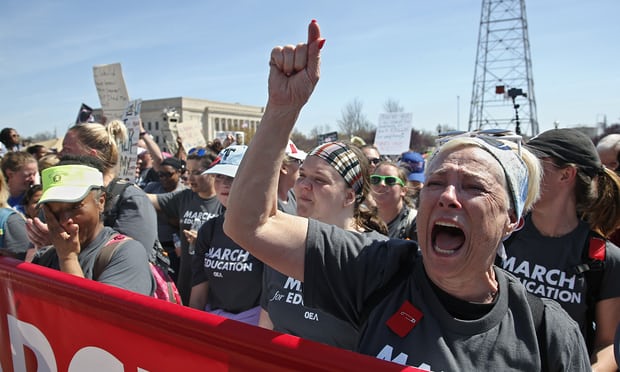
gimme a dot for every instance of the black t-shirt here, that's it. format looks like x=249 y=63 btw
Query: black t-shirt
x=234 y=275
x=186 y=205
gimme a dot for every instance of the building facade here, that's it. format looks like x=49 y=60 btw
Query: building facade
x=160 y=117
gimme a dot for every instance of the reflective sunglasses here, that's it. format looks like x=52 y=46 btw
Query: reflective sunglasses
x=376 y=179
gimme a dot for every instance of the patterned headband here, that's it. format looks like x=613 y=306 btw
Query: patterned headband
x=344 y=161
x=513 y=166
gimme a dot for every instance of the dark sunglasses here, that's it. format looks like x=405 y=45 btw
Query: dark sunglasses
x=164 y=174
x=376 y=179
x=374 y=161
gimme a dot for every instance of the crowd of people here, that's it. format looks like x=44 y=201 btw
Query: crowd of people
x=488 y=252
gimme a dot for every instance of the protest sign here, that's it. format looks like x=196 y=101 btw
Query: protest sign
x=191 y=135
x=111 y=89
x=128 y=150
x=393 y=133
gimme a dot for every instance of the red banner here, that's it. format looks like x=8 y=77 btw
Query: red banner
x=51 y=321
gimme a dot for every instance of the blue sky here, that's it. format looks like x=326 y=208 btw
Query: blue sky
x=419 y=53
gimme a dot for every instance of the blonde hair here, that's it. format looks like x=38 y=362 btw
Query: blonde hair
x=105 y=140
x=4 y=192
x=531 y=162
x=47 y=161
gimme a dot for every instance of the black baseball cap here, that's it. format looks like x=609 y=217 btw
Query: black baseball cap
x=568 y=145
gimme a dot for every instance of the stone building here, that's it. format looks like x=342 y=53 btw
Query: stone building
x=160 y=117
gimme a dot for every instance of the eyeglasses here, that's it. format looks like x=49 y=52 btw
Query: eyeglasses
x=374 y=161
x=490 y=136
x=198 y=151
x=164 y=174
x=376 y=179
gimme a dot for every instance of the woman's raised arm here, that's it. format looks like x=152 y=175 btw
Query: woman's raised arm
x=252 y=218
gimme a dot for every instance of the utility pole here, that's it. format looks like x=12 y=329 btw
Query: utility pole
x=503 y=70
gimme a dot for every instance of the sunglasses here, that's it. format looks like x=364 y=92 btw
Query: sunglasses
x=374 y=161
x=164 y=174
x=391 y=181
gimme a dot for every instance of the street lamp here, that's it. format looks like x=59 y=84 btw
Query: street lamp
x=514 y=93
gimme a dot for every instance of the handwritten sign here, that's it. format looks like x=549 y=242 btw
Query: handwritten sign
x=111 y=89
x=128 y=151
x=393 y=132
x=191 y=135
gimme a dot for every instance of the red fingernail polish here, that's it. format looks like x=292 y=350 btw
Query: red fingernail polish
x=321 y=43
x=314 y=21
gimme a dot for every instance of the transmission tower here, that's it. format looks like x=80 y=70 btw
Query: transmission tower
x=503 y=90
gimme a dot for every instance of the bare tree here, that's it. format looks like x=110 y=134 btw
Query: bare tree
x=392 y=105
x=353 y=120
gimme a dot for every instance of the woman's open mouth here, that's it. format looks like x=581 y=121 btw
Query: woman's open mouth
x=447 y=238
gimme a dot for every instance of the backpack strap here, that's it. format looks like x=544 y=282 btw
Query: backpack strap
x=592 y=267
x=537 y=308
x=113 y=191
x=105 y=254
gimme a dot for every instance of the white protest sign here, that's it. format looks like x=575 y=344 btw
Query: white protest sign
x=191 y=135
x=393 y=133
x=111 y=89
x=128 y=151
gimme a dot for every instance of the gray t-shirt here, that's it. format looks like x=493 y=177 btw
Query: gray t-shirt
x=282 y=299
x=400 y=226
x=344 y=270
x=234 y=275
x=544 y=264
x=15 y=236
x=137 y=218
x=128 y=267
x=164 y=228
x=290 y=206
x=185 y=205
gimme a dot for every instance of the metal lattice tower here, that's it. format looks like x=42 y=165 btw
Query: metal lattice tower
x=503 y=89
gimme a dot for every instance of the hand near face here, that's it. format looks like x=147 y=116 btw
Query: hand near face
x=38 y=232
x=65 y=238
x=294 y=70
